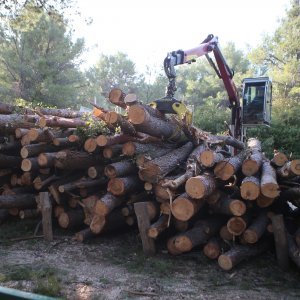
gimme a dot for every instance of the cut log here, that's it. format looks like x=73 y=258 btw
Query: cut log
x=225 y=234
x=105 y=140
x=118 y=120
x=279 y=159
x=228 y=167
x=84 y=235
x=90 y=145
x=13 y=121
x=184 y=207
x=239 y=253
x=171 y=246
x=200 y=186
x=289 y=169
x=71 y=219
x=30 y=164
x=11 y=147
x=209 y=158
x=237 y=225
x=82 y=183
x=161 y=192
x=181 y=226
x=263 y=201
x=20 y=201
x=131 y=148
x=153 y=170
x=53 y=121
x=196 y=153
x=112 y=151
x=228 y=206
x=46 y=160
x=20 y=132
x=76 y=160
x=105 y=204
x=120 y=169
x=268 y=184
x=253 y=162
x=146 y=123
x=116 y=97
x=25 y=140
x=123 y=185
x=199 y=234
x=36 y=149
x=64 y=142
x=58 y=112
x=96 y=171
x=250 y=188
x=214 y=248
x=159 y=226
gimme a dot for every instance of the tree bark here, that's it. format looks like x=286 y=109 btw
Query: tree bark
x=112 y=151
x=118 y=120
x=253 y=162
x=200 y=186
x=105 y=204
x=158 y=227
x=95 y=171
x=53 y=121
x=154 y=170
x=268 y=184
x=228 y=206
x=124 y=185
x=120 y=169
x=214 y=248
x=36 y=149
x=116 y=97
x=71 y=219
x=289 y=169
x=106 y=140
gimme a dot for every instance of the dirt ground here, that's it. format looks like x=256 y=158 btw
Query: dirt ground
x=114 y=267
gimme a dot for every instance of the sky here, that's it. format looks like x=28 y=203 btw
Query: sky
x=148 y=30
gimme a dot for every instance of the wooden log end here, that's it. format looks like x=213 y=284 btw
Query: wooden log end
x=250 y=190
x=207 y=158
x=116 y=186
x=102 y=140
x=97 y=224
x=270 y=190
x=211 y=250
x=136 y=114
x=250 y=236
x=90 y=145
x=183 y=209
x=295 y=166
x=101 y=208
x=237 y=207
x=250 y=167
x=128 y=149
x=63 y=220
x=183 y=243
x=171 y=247
x=225 y=262
x=110 y=171
x=224 y=170
x=236 y=225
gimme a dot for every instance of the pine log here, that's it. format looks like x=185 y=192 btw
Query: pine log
x=263 y=201
x=30 y=164
x=146 y=123
x=215 y=247
x=200 y=186
x=36 y=149
x=42 y=135
x=228 y=206
x=120 y=169
x=90 y=145
x=228 y=167
x=84 y=235
x=123 y=185
x=279 y=159
x=20 y=132
x=210 y=158
x=53 y=121
x=268 y=184
x=237 y=225
x=132 y=148
x=46 y=160
x=153 y=170
x=64 y=142
x=159 y=226
x=184 y=207
x=196 y=153
x=116 y=97
x=239 y=253
x=105 y=140
x=142 y=158
x=253 y=162
x=112 y=151
x=118 y=120
x=13 y=121
x=161 y=192
x=95 y=171
x=88 y=205
x=225 y=234
x=171 y=246
x=289 y=169
x=82 y=183
x=71 y=219
x=76 y=160
x=25 y=140
x=58 y=112
x=256 y=229
x=199 y=234
x=20 y=201
x=250 y=188
x=105 y=204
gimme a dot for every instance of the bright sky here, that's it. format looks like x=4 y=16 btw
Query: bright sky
x=148 y=30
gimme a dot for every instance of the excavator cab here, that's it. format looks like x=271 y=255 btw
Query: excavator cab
x=257 y=101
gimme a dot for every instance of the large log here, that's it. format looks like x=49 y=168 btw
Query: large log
x=228 y=167
x=59 y=112
x=112 y=151
x=237 y=225
x=82 y=183
x=250 y=188
x=153 y=170
x=96 y=171
x=13 y=121
x=30 y=164
x=268 y=184
x=228 y=206
x=105 y=204
x=209 y=158
x=253 y=161
x=145 y=122
x=116 y=96
x=7 y=161
x=215 y=247
x=256 y=229
x=118 y=120
x=71 y=219
x=46 y=160
x=200 y=186
x=53 y=121
x=106 y=140
x=199 y=234
x=159 y=226
x=124 y=185
x=36 y=149
x=184 y=207
x=289 y=169
x=20 y=201
x=279 y=159
x=120 y=169
x=132 y=148
x=239 y=253
x=76 y=160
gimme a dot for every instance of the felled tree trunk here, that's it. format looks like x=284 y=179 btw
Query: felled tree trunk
x=84 y=235
x=209 y=158
x=53 y=121
x=279 y=159
x=250 y=188
x=105 y=204
x=120 y=169
x=30 y=164
x=132 y=148
x=227 y=168
x=35 y=149
x=71 y=219
x=112 y=151
x=46 y=160
x=268 y=184
x=154 y=126
x=239 y=253
x=106 y=140
x=116 y=97
x=184 y=207
x=63 y=113
x=19 y=132
x=214 y=248
x=159 y=226
x=253 y=162
x=82 y=183
x=257 y=228
x=200 y=186
x=95 y=171
x=153 y=170
x=13 y=121
x=289 y=169
x=117 y=120
x=237 y=225
x=123 y=185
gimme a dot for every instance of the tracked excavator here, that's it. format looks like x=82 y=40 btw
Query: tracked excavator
x=251 y=109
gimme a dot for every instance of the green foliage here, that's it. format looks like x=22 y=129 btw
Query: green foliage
x=39 y=60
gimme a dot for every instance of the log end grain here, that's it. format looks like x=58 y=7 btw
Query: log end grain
x=250 y=236
x=195 y=188
x=250 y=167
x=128 y=149
x=102 y=140
x=250 y=190
x=63 y=220
x=183 y=208
x=236 y=225
x=224 y=170
x=237 y=207
x=270 y=190
x=225 y=262
x=97 y=224
x=137 y=114
x=183 y=243
x=171 y=247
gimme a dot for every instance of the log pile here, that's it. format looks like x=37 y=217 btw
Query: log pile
x=199 y=195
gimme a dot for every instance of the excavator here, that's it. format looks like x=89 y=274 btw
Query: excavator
x=252 y=109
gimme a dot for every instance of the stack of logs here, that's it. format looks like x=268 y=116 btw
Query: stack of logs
x=198 y=193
